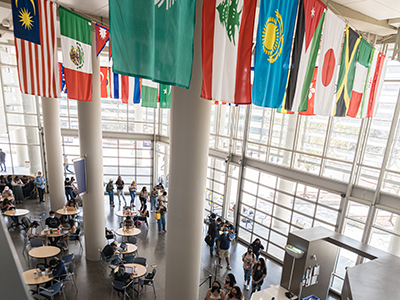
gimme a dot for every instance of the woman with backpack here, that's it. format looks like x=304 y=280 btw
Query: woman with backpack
x=249 y=259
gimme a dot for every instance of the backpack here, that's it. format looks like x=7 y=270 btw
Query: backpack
x=26 y=222
x=209 y=240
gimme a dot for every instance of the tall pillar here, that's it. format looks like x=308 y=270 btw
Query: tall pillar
x=190 y=131
x=52 y=141
x=90 y=141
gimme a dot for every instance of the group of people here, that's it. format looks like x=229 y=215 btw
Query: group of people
x=17 y=188
x=71 y=190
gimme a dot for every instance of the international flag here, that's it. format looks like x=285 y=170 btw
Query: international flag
x=328 y=61
x=149 y=93
x=304 y=55
x=373 y=86
x=165 y=96
x=227 y=38
x=137 y=90
x=102 y=37
x=272 y=54
x=36 y=46
x=77 y=54
x=105 y=82
x=360 y=78
x=311 y=96
x=63 y=86
x=153 y=39
x=125 y=87
x=346 y=72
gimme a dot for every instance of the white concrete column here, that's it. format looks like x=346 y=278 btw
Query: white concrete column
x=190 y=131
x=54 y=159
x=90 y=142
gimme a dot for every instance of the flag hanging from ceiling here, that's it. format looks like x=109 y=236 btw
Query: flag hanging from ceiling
x=271 y=58
x=165 y=96
x=105 y=82
x=333 y=31
x=227 y=39
x=102 y=37
x=63 y=86
x=137 y=90
x=36 y=46
x=360 y=78
x=153 y=39
x=311 y=96
x=149 y=93
x=304 y=55
x=125 y=87
x=77 y=54
x=373 y=85
x=346 y=72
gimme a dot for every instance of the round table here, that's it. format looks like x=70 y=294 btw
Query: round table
x=29 y=278
x=67 y=212
x=16 y=213
x=140 y=269
x=121 y=214
x=54 y=234
x=127 y=234
x=130 y=248
x=44 y=252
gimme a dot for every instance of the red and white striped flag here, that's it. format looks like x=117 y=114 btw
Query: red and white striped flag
x=36 y=46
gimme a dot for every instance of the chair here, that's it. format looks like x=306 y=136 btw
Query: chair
x=26 y=243
x=52 y=290
x=67 y=259
x=103 y=261
x=129 y=259
x=140 y=261
x=120 y=287
x=148 y=280
x=36 y=242
x=39 y=220
x=110 y=235
x=25 y=222
x=70 y=276
x=76 y=237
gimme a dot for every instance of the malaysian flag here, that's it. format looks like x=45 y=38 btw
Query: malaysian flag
x=36 y=45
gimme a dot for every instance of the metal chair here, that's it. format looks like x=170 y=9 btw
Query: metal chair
x=70 y=276
x=76 y=237
x=67 y=259
x=39 y=220
x=36 y=242
x=140 y=261
x=129 y=259
x=52 y=290
x=103 y=261
x=148 y=280
x=26 y=243
x=120 y=287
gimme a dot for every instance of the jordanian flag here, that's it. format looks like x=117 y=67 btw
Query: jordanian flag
x=360 y=78
x=149 y=93
x=304 y=55
x=77 y=54
x=346 y=72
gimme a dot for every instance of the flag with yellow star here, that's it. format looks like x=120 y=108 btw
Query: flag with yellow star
x=26 y=20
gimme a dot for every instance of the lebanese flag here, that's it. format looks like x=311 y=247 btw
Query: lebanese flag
x=376 y=75
x=325 y=87
x=105 y=82
x=305 y=51
x=226 y=51
x=311 y=96
x=77 y=54
x=360 y=78
x=102 y=37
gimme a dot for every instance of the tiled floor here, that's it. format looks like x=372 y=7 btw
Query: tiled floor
x=93 y=284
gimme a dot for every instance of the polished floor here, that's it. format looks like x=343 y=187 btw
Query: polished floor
x=94 y=284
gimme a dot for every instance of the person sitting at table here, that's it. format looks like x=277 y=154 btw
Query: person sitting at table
x=72 y=203
x=2 y=183
x=32 y=232
x=127 y=211
x=128 y=223
x=122 y=276
x=7 y=205
x=58 y=270
x=143 y=215
x=8 y=193
x=110 y=253
x=52 y=221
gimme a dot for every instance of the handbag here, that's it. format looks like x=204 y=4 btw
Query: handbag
x=157 y=216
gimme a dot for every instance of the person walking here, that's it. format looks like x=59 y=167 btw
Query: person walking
x=120 y=189
x=223 y=245
x=68 y=189
x=161 y=222
x=153 y=199
x=110 y=191
x=3 y=161
x=132 y=191
x=213 y=231
x=257 y=246
x=258 y=275
x=249 y=259
x=215 y=292
x=143 y=197
x=39 y=183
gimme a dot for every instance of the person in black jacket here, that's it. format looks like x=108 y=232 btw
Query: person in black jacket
x=213 y=231
x=257 y=246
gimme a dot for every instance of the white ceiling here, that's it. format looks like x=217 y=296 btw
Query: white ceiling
x=377 y=9
x=91 y=7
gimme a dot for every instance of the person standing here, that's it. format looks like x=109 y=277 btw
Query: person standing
x=143 y=197
x=132 y=191
x=110 y=191
x=153 y=199
x=223 y=245
x=68 y=189
x=257 y=246
x=249 y=259
x=161 y=222
x=258 y=275
x=213 y=231
x=120 y=189
x=39 y=183
x=215 y=292
x=17 y=189
x=3 y=161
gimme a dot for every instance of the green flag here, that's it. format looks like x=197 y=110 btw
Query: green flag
x=149 y=93
x=165 y=96
x=153 y=39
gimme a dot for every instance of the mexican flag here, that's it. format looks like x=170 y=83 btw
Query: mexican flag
x=77 y=54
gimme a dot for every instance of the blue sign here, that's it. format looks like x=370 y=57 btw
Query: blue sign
x=80 y=173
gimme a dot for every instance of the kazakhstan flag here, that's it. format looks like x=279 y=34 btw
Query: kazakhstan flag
x=273 y=45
